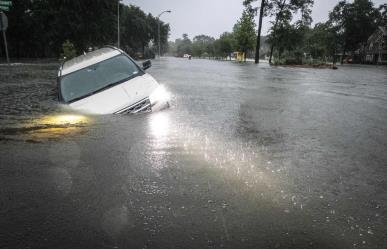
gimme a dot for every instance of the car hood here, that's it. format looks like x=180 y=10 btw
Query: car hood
x=118 y=97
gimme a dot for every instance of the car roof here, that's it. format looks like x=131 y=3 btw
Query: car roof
x=88 y=59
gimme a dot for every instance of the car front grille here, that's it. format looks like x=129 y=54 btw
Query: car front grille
x=139 y=107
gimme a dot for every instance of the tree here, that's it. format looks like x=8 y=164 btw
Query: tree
x=184 y=46
x=39 y=28
x=244 y=32
x=262 y=12
x=382 y=15
x=321 y=41
x=283 y=11
x=224 y=46
x=354 y=23
x=135 y=21
x=202 y=44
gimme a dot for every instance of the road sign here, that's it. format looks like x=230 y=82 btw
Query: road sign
x=6 y=3
x=3 y=21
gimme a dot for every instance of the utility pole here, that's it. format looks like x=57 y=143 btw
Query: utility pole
x=118 y=23
x=158 y=29
x=4 y=6
x=3 y=28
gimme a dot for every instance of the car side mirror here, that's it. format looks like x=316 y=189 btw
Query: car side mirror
x=146 y=64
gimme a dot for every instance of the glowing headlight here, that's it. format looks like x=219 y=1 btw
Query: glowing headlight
x=159 y=95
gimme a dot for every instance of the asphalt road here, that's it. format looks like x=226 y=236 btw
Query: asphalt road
x=246 y=157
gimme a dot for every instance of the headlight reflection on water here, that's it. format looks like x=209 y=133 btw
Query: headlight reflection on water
x=56 y=126
x=64 y=120
x=159 y=125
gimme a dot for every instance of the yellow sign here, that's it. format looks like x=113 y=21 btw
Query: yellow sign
x=240 y=56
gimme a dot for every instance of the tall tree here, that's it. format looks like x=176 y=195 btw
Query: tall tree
x=247 y=3
x=202 y=44
x=244 y=31
x=354 y=22
x=43 y=26
x=184 y=46
x=283 y=11
x=382 y=15
x=224 y=46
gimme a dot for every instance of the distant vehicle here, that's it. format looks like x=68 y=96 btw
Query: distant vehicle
x=108 y=81
x=186 y=56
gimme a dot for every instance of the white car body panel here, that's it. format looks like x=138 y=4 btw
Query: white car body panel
x=118 y=97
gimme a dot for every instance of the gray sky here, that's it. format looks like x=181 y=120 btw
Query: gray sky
x=213 y=17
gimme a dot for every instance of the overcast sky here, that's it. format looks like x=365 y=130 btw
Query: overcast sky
x=213 y=17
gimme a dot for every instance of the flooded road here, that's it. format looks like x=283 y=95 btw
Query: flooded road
x=246 y=157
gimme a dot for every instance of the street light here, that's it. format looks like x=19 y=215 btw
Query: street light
x=158 y=18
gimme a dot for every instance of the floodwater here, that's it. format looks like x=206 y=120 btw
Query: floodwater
x=246 y=157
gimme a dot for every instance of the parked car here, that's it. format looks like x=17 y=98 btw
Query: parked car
x=108 y=81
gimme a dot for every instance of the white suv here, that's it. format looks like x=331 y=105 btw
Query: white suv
x=108 y=81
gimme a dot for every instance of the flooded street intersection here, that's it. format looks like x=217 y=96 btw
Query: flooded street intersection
x=246 y=157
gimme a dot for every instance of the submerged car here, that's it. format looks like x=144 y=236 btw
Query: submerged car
x=108 y=81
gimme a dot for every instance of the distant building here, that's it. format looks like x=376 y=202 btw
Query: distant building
x=376 y=48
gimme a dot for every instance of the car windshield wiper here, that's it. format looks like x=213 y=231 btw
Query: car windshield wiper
x=115 y=83
x=81 y=97
x=96 y=91
x=107 y=86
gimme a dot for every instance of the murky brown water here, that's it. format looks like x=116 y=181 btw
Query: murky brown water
x=246 y=157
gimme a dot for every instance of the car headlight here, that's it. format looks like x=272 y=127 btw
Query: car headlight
x=159 y=95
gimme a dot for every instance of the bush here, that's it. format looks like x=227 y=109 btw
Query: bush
x=149 y=54
x=293 y=61
x=69 y=50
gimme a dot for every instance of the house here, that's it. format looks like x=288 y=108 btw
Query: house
x=376 y=48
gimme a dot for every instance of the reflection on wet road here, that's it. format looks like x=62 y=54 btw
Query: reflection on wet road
x=246 y=157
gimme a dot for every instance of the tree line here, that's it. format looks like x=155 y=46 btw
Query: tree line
x=291 y=38
x=242 y=38
x=40 y=28
x=347 y=30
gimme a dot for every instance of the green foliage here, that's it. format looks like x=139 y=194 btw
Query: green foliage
x=43 y=26
x=139 y=29
x=244 y=32
x=225 y=45
x=348 y=29
x=354 y=23
x=321 y=41
x=183 y=46
x=285 y=35
x=69 y=51
x=203 y=44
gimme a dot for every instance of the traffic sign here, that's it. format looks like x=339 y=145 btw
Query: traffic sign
x=6 y=3
x=3 y=21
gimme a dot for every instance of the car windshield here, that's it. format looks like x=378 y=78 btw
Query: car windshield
x=98 y=77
